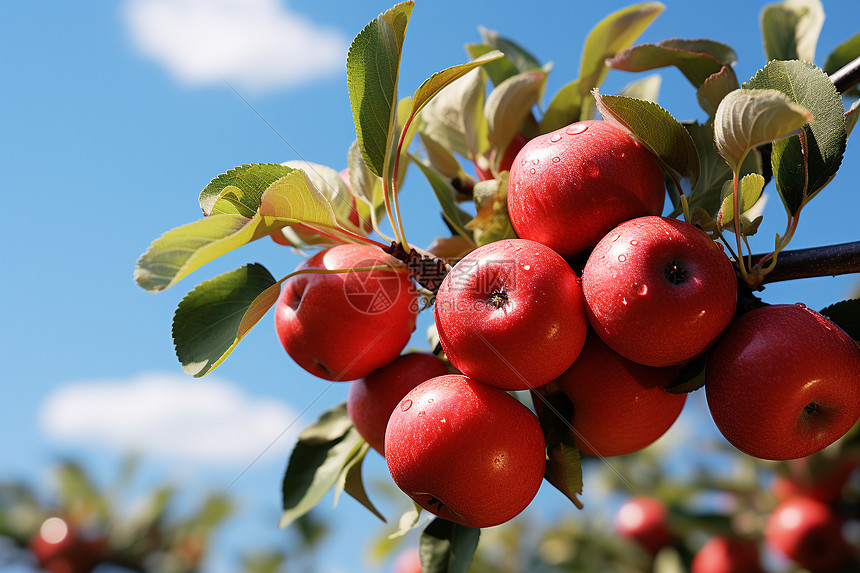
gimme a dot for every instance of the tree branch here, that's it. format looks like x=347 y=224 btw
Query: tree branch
x=848 y=76
x=826 y=261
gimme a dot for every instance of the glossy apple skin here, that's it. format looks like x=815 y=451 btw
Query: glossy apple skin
x=507 y=159
x=644 y=520
x=327 y=324
x=510 y=314
x=372 y=399
x=619 y=407
x=809 y=533
x=769 y=366
x=570 y=187
x=723 y=554
x=465 y=451
x=658 y=291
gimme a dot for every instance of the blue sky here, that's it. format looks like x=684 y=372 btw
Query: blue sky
x=111 y=125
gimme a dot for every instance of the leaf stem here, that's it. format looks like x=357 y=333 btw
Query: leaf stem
x=355 y=237
x=737 y=221
x=399 y=222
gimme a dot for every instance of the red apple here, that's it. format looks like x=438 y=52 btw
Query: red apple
x=644 y=520
x=364 y=224
x=409 y=561
x=507 y=159
x=60 y=548
x=723 y=554
x=510 y=314
x=783 y=382
x=825 y=486
x=809 y=533
x=344 y=326
x=570 y=187
x=619 y=407
x=658 y=291
x=465 y=451
x=372 y=399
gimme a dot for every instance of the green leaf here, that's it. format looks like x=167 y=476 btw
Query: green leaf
x=655 y=127
x=372 y=69
x=441 y=158
x=317 y=463
x=808 y=86
x=330 y=184
x=696 y=59
x=366 y=187
x=846 y=315
x=434 y=84
x=510 y=103
x=492 y=222
x=447 y=547
x=519 y=56
x=180 y=251
x=715 y=88
x=790 y=29
x=408 y=521
x=841 y=56
x=564 y=109
x=352 y=483
x=455 y=117
x=750 y=188
x=455 y=216
x=564 y=468
x=648 y=88
x=242 y=186
x=613 y=34
x=713 y=172
x=748 y=118
x=214 y=317
x=851 y=117
x=497 y=70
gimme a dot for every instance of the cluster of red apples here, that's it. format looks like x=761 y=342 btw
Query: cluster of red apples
x=654 y=293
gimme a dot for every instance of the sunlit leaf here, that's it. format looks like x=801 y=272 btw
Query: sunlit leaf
x=613 y=34
x=316 y=463
x=564 y=108
x=352 y=483
x=441 y=158
x=715 y=88
x=510 y=103
x=851 y=117
x=497 y=70
x=790 y=29
x=455 y=216
x=242 y=186
x=431 y=86
x=214 y=317
x=521 y=58
x=455 y=117
x=447 y=547
x=696 y=59
x=841 y=56
x=749 y=188
x=492 y=222
x=330 y=184
x=656 y=129
x=648 y=88
x=372 y=69
x=748 y=118
x=808 y=86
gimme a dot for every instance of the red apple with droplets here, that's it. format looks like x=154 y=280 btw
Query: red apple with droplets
x=570 y=187
x=372 y=399
x=783 y=382
x=344 y=326
x=658 y=291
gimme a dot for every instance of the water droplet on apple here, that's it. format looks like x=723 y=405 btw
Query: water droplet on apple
x=622 y=258
x=615 y=238
x=621 y=155
x=532 y=171
x=527 y=267
x=642 y=290
x=524 y=161
x=429 y=400
x=536 y=161
x=405 y=405
x=556 y=159
x=555 y=137
x=634 y=242
x=799 y=305
x=624 y=301
x=591 y=170
x=576 y=129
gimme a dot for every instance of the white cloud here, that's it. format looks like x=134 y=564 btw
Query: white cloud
x=252 y=44
x=169 y=416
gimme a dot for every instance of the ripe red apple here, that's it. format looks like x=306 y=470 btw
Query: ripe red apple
x=510 y=314
x=408 y=561
x=372 y=399
x=646 y=521
x=658 y=291
x=809 y=533
x=722 y=554
x=619 y=407
x=507 y=159
x=783 y=382
x=465 y=451
x=60 y=548
x=345 y=326
x=570 y=187
x=825 y=486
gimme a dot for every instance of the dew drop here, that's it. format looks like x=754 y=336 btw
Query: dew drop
x=624 y=301
x=799 y=305
x=621 y=155
x=615 y=238
x=575 y=129
x=556 y=159
x=527 y=267
x=634 y=242
x=429 y=400
x=591 y=170
x=622 y=258
x=532 y=171
x=536 y=161
x=405 y=405
x=642 y=290
x=524 y=161
x=555 y=137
